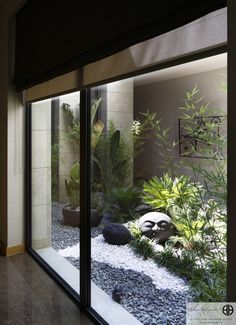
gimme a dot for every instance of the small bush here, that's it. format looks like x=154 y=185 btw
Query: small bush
x=121 y=203
x=196 y=204
x=162 y=193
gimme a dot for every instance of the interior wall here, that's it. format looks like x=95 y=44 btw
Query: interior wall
x=3 y=132
x=164 y=98
x=12 y=130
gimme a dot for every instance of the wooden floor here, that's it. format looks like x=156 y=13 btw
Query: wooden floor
x=29 y=296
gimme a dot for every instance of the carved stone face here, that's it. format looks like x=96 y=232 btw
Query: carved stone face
x=156 y=225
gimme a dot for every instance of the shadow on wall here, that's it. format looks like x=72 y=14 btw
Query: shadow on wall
x=165 y=98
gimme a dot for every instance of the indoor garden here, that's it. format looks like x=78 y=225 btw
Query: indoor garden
x=158 y=191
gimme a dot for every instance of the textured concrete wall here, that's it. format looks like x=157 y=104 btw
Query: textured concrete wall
x=41 y=174
x=119 y=102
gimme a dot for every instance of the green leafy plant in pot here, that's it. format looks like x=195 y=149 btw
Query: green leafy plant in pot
x=112 y=163
x=71 y=212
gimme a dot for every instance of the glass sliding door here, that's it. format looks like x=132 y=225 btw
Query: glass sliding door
x=134 y=172
x=158 y=194
x=55 y=179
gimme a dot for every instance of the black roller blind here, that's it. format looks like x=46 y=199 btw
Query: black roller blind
x=56 y=37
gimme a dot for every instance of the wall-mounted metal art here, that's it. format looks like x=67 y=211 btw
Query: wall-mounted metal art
x=194 y=135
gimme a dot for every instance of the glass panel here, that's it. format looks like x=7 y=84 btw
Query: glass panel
x=158 y=182
x=55 y=184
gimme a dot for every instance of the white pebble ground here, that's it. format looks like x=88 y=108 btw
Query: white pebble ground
x=123 y=257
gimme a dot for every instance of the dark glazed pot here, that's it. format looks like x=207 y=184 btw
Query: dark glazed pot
x=72 y=217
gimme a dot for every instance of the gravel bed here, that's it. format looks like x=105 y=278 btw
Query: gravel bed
x=151 y=293
x=64 y=236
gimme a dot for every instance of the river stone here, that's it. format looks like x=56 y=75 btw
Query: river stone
x=117 y=293
x=116 y=234
x=156 y=225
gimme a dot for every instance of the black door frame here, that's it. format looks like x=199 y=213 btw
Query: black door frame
x=84 y=299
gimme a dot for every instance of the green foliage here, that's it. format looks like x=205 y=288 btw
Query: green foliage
x=210 y=210
x=196 y=204
x=135 y=230
x=162 y=193
x=210 y=283
x=148 y=130
x=121 y=203
x=54 y=171
x=96 y=127
x=113 y=156
x=201 y=228
x=114 y=144
x=208 y=280
x=142 y=245
x=73 y=186
x=73 y=134
x=212 y=171
x=73 y=131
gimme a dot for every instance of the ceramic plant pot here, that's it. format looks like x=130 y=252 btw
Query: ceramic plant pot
x=71 y=217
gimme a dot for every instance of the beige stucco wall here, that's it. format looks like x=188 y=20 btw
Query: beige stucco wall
x=12 y=130
x=164 y=98
x=3 y=129
x=119 y=103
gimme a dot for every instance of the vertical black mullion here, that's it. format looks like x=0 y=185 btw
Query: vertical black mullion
x=231 y=204
x=85 y=244
x=28 y=174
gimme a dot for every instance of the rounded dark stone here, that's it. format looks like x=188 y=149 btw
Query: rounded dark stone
x=116 y=234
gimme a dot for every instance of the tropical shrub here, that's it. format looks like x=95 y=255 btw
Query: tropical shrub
x=113 y=156
x=122 y=201
x=73 y=135
x=141 y=244
x=164 y=192
x=73 y=131
x=197 y=203
x=206 y=277
x=73 y=186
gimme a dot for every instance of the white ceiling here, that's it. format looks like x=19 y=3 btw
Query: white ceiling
x=186 y=69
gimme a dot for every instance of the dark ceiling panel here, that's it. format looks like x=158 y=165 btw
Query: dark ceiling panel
x=55 y=37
